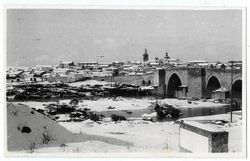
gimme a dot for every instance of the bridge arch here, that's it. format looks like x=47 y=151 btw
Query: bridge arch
x=212 y=84
x=236 y=79
x=173 y=83
x=237 y=88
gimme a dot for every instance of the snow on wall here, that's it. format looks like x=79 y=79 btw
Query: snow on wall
x=193 y=142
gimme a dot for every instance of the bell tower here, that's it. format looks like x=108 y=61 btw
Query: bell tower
x=166 y=56
x=145 y=56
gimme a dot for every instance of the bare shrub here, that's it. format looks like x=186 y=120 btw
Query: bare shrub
x=31 y=148
x=76 y=150
x=15 y=111
x=116 y=118
x=47 y=136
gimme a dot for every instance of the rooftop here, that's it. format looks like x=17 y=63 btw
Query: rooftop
x=87 y=62
x=197 y=61
x=65 y=62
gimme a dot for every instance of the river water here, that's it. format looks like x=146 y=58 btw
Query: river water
x=187 y=112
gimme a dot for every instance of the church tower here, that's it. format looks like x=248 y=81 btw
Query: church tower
x=145 y=56
x=166 y=56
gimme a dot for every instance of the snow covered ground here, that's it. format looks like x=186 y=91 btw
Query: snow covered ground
x=109 y=137
x=88 y=82
x=156 y=137
x=145 y=136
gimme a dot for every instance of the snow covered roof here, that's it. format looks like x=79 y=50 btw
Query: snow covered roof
x=197 y=61
x=203 y=126
x=183 y=86
x=147 y=88
x=126 y=65
x=173 y=59
x=203 y=64
x=219 y=65
x=116 y=62
x=222 y=89
x=154 y=63
x=16 y=72
x=103 y=65
x=67 y=62
x=38 y=72
x=132 y=73
x=43 y=65
x=63 y=69
x=136 y=61
x=88 y=82
x=112 y=68
x=90 y=62
x=139 y=73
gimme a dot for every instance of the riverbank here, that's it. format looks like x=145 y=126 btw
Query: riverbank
x=125 y=103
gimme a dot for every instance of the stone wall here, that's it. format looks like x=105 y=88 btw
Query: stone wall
x=135 y=79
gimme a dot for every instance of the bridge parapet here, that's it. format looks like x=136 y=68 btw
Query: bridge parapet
x=235 y=71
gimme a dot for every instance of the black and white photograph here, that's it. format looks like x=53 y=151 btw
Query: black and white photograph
x=134 y=81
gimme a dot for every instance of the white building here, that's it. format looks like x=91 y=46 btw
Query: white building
x=64 y=71
x=173 y=61
x=75 y=77
x=86 y=64
x=46 y=68
x=196 y=62
x=66 y=64
x=136 y=62
x=86 y=73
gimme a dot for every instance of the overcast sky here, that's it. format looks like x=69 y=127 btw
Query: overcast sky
x=48 y=36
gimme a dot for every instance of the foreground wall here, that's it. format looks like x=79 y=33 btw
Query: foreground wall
x=196 y=137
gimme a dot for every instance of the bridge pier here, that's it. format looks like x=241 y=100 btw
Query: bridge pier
x=196 y=82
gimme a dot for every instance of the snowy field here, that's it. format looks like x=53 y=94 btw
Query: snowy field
x=107 y=136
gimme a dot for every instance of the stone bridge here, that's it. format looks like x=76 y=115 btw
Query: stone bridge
x=196 y=82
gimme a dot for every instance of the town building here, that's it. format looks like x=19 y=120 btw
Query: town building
x=89 y=64
x=66 y=64
x=73 y=77
x=221 y=93
x=46 y=68
x=61 y=71
x=86 y=73
x=197 y=63
x=14 y=74
x=173 y=61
